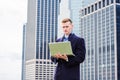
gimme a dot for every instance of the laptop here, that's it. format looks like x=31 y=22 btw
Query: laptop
x=60 y=47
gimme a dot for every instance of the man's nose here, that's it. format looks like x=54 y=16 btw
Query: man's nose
x=65 y=28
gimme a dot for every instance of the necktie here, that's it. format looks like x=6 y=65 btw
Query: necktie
x=65 y=39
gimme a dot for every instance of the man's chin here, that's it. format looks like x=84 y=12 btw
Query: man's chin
x=66 y=33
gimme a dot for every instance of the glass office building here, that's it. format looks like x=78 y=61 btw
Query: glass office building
x=64 y=12
x=41 y=28
x=88 y=2
x=100 y=26
x=23 y=53
x=75 y=6
x=70 y=9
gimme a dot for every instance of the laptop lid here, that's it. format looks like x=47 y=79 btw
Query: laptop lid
x=60 y=47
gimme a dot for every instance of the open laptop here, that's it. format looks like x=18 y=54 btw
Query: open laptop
x=60 y=47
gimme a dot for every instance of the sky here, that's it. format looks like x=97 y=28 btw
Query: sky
x=13 y=14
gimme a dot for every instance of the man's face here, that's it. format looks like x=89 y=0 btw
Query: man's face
x=67 y=28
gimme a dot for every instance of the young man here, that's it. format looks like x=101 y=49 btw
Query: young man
x=68 y=67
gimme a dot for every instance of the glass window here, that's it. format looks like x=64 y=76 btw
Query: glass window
x=88 y=9
x=82 y=13
x=107 y=2
x=111 y=1
x=99 y=4
x=103 y=3
x=96 y=6
x=117 y=1
x=92 y=8
x=85 y=11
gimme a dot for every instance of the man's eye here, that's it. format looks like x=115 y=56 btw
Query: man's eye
x=63 y=26
x=67 y=26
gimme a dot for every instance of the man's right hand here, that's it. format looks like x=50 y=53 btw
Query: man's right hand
x=61 y=56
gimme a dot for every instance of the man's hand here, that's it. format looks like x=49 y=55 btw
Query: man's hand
x=61 y=56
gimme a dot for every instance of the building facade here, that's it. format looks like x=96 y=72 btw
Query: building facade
x=63 y=13
x=75 y=6
x=70 y=9
x=88 y=2
x=23 y=53
x=41 y=28
x=100 y=26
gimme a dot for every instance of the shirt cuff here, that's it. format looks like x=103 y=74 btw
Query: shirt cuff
x=67 y=59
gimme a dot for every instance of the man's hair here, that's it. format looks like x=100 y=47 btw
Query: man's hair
x=66 y=20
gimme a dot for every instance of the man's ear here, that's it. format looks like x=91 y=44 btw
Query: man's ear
x=72 y=25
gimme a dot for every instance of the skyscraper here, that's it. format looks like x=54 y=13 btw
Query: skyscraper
x=75 y=6
x=23 y=53
x=63 y=13
x=100 y=26
x=41 y=28
x=88 y=2
x=70 y=9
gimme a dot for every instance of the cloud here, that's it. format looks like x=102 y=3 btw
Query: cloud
x=12 y=18
x=13 y=15
x=9 y=69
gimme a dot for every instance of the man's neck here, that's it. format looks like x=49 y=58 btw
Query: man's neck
x=67 y=35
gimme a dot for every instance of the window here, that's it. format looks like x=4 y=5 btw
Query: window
x=103 y=3
x=96 y=6
x=99 y=5
x=107 y=2
x=82 y=12
x=111 y=1
x=92 y=8
x=85 y=11
x=117 y=1
x=88 y=9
